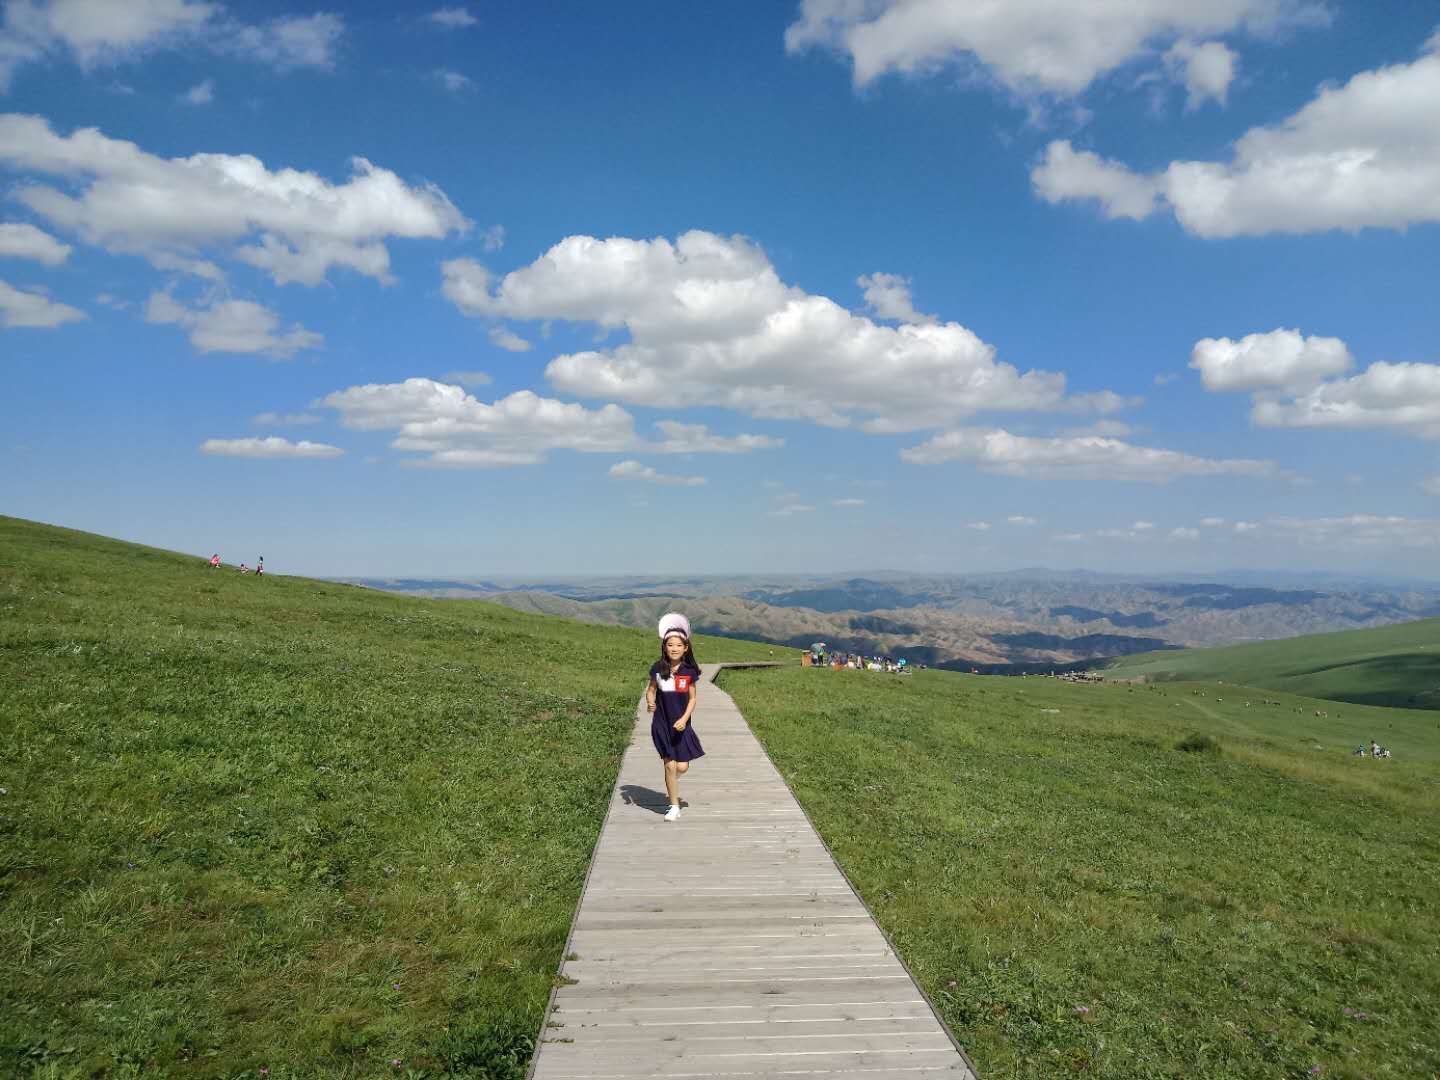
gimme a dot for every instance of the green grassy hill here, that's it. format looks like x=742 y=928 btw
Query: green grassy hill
x=277 y=823
x=288 y=829
x=1392 y=665
x=1080 y=896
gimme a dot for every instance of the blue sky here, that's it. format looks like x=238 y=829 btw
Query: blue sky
x=525 y=289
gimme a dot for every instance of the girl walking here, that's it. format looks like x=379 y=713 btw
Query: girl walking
x=670 y=695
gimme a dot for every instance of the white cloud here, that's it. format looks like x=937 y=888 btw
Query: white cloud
x=710 y=320
x=1067 y=173
x=96 y=32
x=979 y=526
x=1280 y=360
x=286 y=42
x=232 y=326
x=272 y=447
x=633 y=470
x=790 y=509
x=468 y=378
x=1143 y=526
x=1087 y=458
x=22 y=241
x=1184 y=533
x=1245 y=526
x=888 y=296
x=453 y=81
x=847 y=503
x=1021 y=519
x=1206 y=69
x=1358 y=531
x=1212 y=522
x=1403 y=397
x=1365 y=154
x=1026 y=45
x=493 y=238
x=508 y=340
x=32 y=309
x=297 y=224
x=202 y=93
x=452 y=18
x=1165 y=378
x=1107 y=428
x=278 y=419
x=697 y=439
x=456 y=429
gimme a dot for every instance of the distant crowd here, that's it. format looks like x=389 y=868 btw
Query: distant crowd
x=819 y=656
x=259 y=568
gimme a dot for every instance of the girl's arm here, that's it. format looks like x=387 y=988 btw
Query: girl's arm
x=650 y=694
x=689 y=708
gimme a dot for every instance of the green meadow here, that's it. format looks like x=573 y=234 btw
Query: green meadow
x=1392 y=665
x=283 y=828
x=278 y=824
x=1130 y=882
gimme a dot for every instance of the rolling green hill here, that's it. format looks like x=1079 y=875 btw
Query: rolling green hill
x=1398 y=666
x=288 y=824
x=287 y=829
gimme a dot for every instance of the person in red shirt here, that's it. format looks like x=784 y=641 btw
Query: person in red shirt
x=670 y=694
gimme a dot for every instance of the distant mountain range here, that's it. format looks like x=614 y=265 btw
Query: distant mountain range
x=1033 y=620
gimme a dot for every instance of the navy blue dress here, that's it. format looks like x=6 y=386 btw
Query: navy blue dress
x=672 y=697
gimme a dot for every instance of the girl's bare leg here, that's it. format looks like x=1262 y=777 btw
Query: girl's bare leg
x=672 y=786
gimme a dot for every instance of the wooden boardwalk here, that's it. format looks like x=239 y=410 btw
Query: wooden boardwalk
x=728 y=944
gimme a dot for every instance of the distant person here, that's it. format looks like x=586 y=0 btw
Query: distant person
x=260 y=566
x=244 y=569
x=215 y=561
x=670 y=694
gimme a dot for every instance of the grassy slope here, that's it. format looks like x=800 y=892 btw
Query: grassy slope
x=275 y=822
x=1391 y=665
x=1034 y=847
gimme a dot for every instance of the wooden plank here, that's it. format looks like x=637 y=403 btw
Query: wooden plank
x=728 y=944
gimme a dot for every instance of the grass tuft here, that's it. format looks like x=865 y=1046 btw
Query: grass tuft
x=1199 y=743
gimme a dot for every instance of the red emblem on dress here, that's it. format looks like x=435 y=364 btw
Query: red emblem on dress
x=682 y=683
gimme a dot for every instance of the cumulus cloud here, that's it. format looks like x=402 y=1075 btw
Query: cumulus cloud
x=279 y=419
x=493 y=238
x=1026 y=45
x=1402 y=397
x=888 y=296
x=1213 y=522
x=19 y=308
x=1021 y=519
x=1067 y=173
x=508 y=340
x=1143 y=526
x=1184 y=533
x=454 y=428
x=1365 y=154
x=1206 y=69
x=1291 y=381
x=1280 y=360
x=710 y=320
x=271 y=447
x=232 y=326
x=697 y=439
x=633 y=470
x=451 y=18
x=1246 y=526
x=979 y=526
x=847 y=503
x=295 y=225
x=96 y=32
x=202 y=93
x=1087 y=458
x=22 y=241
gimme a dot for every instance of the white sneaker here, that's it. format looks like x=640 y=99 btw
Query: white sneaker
x=673 y=814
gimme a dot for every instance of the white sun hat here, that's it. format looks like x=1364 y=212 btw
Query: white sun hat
x=672 y=622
